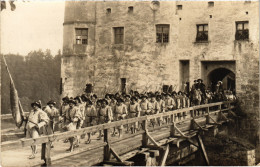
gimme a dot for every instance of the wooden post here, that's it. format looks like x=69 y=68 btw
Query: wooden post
x=201 y=145
x=145 y=137
x=46 y=153
x=219 y=114
x=172 y=132
x=107 y=153
x=207 y=118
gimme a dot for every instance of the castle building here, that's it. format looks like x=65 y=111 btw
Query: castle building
x=147 y=45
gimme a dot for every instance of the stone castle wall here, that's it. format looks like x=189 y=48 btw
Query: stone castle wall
x=148 y=65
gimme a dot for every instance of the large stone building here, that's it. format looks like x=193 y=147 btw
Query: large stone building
x=144 y=45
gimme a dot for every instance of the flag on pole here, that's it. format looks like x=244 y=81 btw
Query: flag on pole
x=16 y=107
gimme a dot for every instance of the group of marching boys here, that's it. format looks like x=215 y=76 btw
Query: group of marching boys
x=88 y=110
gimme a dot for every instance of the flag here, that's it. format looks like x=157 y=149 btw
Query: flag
x=16 y=106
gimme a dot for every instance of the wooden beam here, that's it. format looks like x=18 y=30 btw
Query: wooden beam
x=151 y=139
x=165 y=156
x=201 y=145
x=197 y=124
x=180 y=132
x=115 y=155
x=115 y=163
x=215 y=122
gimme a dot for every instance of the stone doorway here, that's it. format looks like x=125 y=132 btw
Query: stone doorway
x=214 y=71
x=224 y=75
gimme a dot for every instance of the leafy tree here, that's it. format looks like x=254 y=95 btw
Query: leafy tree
x=36 y=77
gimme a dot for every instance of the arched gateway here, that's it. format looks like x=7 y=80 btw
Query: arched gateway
x=222 y=74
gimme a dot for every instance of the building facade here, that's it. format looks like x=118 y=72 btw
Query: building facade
x=118 y=46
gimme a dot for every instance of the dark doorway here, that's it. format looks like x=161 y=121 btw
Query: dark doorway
x=123 y=85
x=184 y=74
x=224 y=75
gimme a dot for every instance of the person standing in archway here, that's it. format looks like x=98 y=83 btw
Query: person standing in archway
x=202 y=88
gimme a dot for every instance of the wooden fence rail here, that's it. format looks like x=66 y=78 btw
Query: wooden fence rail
x=108 y=150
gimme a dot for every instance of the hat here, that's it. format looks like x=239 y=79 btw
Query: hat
x=200 y=80
x=65 y=99
x=83 y=97
x=89 y=101
x=133 y=98
x=152 y=95
x=158 y=96
x=120 y=100
x=37 y=103
x=78 y=98
x=143 y=95
x=179 y=92
x=104 y=100
x=51 y=102
x=127 y=95
x=72 y=101
x=107 y=95
x=94 y=95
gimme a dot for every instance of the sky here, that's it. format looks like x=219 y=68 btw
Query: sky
x=32 y=26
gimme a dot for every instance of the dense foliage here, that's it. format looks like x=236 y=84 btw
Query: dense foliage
x=36 y=77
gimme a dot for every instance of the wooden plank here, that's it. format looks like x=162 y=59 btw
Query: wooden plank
x=165 y=156
x=115 y=163
x=127 y=136
x=115 y=155
x=201 y=145
x=151 y=138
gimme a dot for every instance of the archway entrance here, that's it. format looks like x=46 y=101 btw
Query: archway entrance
x=222 y=74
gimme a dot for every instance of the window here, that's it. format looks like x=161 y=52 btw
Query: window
x=210 y=4
x=108 y=10
x=202 y=32
x=179 y=7
x=119 y=35
x=82 y=36
x=130 y=9
x=162 y=33
x=242 y=32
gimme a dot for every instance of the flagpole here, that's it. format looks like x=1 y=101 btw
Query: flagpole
x=8 y=69
x=22 y=112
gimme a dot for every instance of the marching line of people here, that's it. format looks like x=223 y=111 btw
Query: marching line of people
x=88 y=110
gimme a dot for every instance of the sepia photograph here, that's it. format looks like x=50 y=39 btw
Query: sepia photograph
x=129 y=83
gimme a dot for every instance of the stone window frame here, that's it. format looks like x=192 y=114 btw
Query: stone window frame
x=243 y=33
x=130 y=9
x=202 y=35
x=119 y=35
x=162 y=33
x=179 y=7
x=211 y=4
x=81 y=36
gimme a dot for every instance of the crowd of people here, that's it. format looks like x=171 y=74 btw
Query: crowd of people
x=89 y=110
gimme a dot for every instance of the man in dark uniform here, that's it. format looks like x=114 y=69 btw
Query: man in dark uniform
x=202 y=88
